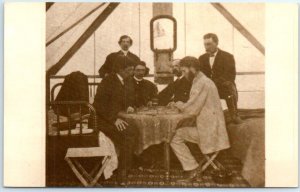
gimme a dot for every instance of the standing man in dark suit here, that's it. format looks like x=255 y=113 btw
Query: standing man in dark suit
x=179 y=90
x=110 y=99
x=219 y=66
x=125 y=42
x=143 y=90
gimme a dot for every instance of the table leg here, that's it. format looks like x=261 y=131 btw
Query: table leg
x=167 y=161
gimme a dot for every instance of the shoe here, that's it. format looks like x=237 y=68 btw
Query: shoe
x=191 y=175
x=122 y=178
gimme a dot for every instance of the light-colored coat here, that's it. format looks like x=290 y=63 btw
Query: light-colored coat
x=205 y=104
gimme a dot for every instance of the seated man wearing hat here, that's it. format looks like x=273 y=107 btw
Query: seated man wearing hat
x=142 y=90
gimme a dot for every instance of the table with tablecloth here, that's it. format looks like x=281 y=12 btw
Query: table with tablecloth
x=156 y=126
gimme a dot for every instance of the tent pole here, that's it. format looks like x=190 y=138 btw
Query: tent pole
x=49 y=5
x=239 y=27
x=73 y=25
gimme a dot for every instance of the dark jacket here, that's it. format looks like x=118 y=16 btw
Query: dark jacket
x=179 y=90
x=74 y=88
x=141 y=91
x=107 y=67
x=223 y=68
x=110 y=98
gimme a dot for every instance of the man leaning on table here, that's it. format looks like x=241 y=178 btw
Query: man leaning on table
x=142 y=90
x=209 y=132
x=178 y=90
x=110 y=99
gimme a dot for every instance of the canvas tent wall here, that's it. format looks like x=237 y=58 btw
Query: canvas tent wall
x=133 y=19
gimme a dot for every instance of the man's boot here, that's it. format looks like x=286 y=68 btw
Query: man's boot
x=191 y=175
x=232 y=108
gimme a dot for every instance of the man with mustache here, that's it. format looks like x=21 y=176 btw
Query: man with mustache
x=178 y=90
x=209 y=131
x=219 y=66
x=142 y=89
x=125 y=42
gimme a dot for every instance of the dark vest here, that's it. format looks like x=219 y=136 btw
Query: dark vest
x=142 y=91
x=222 y=70
x=179 y=90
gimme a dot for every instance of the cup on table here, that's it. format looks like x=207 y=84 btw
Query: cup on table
x=154 y=102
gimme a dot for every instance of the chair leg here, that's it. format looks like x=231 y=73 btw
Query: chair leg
x=97 y=167
x=210 y=161
x=84 y=172
x=105 y=161
x=76 y=172
x=219 y=164
x=84 y=177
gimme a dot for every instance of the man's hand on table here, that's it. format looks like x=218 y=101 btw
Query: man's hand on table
x=171 y=104
x=121 y=124
x=149 y=104
x=130 y=109
x=179 y=105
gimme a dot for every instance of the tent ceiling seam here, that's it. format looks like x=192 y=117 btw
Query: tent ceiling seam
x=65 y=19
x=82 y=39
x=74 y=24
x=231 y=19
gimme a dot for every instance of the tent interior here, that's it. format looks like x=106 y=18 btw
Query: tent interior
x=66 y=23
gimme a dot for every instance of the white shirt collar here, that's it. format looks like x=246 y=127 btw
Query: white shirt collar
x=180 y=77
x=212 y=59
x=216 y=53
x=125 y=52
x=120 y=78
x=139 y=80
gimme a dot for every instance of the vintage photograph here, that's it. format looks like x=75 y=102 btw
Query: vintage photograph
x=155 y=94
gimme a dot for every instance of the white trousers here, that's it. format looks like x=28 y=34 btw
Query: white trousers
x=181 y=150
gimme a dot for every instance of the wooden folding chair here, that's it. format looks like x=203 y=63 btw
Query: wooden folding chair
x=80 y=143
x=87 y=179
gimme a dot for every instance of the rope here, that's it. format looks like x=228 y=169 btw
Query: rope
x=184 y=29
x=74 y=24
x=48 y=59
x=62 y=44
x=233 y=39
x=66 y=18
x=94 y=62
x=139 y=8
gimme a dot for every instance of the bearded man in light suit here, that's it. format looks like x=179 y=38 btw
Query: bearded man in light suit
x=209 y=131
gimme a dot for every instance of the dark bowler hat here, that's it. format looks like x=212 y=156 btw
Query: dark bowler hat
x=144 y=64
